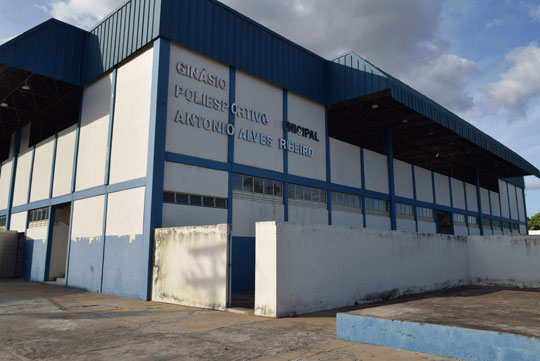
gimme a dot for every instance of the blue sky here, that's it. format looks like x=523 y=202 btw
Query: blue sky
x=478 y=58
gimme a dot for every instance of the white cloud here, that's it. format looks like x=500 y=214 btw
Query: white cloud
x=82 y=13
x=532 y=186
x=519 y=83
x=535 y=12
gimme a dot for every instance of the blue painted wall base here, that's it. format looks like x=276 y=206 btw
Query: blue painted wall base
x=449 y=341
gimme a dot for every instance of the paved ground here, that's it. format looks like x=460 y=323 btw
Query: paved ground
x=54 y=323
x=484 y=308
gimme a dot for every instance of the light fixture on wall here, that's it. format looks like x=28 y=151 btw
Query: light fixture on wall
x=25 y=86
x=405 y=121
x=374 y=106
x=437 y=155
x=4 y=104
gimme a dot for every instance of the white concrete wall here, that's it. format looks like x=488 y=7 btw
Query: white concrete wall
x=521 y=208
x=442 y=189
x=427 y=227
x=513 y=201
x=458 y=194
x=472 y=197
x=345 y=166
x=63 y=166
x=24 y=165
x=5 y=179
x=461 y=230
x=307 y=215
x=306 y=113
x=405 y=224
x=18 y=222
x=247 y=212
x=41 y=174
x=424 y=187
x=304 y=268
x=347 y=218
x=129 y=150
x=94 y=133
x=378 y=222
x=190 y=266
x=194 y=140
x=503 y=194
x=495 y=205
x=194 y=180
x=376 y=168
x=505 y=261
x=403 y=184
x=484 y=198
x=264 y=98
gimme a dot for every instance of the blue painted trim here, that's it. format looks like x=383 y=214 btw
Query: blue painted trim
x=230 y=144
x=452 y=229
x=363 y=184
x=153 y=203
x=32 y=173
x=391 y=181
x=328 y=169
x=50 y=227
x=414 y=198
x=479 y=200
x=450 y=341
x=103 y=239
x=466 y=207
x=53 y=165
x=3 y=212
x=66 y=282
x=111 y=126
x=286 y=157
x=76 y=150
x=16 y=146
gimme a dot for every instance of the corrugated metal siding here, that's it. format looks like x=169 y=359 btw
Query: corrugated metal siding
x=52 y=49
x=129 y=28
x=217 y=31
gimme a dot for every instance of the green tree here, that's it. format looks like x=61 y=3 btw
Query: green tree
x=534 y=222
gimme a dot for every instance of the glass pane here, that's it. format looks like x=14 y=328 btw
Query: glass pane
x=278 y=188
x=258 y=185
x=323 y=195
x=307 y=193
x=208 y=202
x=299 y=190
x=248 y=184
x=168 y=197
x=237 y=182
x=315 y=195
x=268 y=187
x=195 y=200
x=182 y=198
x=221 y=203
x=291 y=191
x=339 y=199
x=357 y=203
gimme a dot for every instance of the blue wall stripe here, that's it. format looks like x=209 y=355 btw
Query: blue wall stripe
x=479 y=200
x=111 y=127
x=414 y=197
x=53 y=165
x=16 y=146
x=31 y=173
x=76 y=150
x=391 y=188
x=328 y=169
x=153 y=204
x=363 y=182
x=230 y=144
x=285 y=157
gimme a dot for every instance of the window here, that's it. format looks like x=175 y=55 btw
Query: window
x=3 y=222
x=496 y=225
x=345 y=200
x=473 y=221
x=253 y=185
x=515 y=227
x=506 y=226
x=194 y=200
x=305 y=193
x=459 y=219
x=425 y=214
x=376 y=206
x=38 y=217
x=404 y=210
x=486 y=222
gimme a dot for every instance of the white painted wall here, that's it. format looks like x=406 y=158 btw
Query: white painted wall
x=513 y=201
x=505 y=261
x=247 y=212
x=474 y=231
x=458 y=194
x=484 y=198
x=18 y=222
x=264 y=98
x=376 y=168
x=404 y=224
x=307 y=215
x=521 y=207
x=461 y=230
x=304 y=268
x=427 y=227
x=424 y=187
x=176 y=215
x=378 y=222
x=129 y=149
x=347 y=218
x=403 y=184
x=503 y=194
x=5 y=179
x=87 y=222
x=125 y=211
x=24 y=165
x=187 y=139
x=304 y=112
x=93 y=134
x=190 y=266
x=495 y=205
x=41 y=175
x=442 y=189
x=345 y=166
x=472 y=197
x=63 y=166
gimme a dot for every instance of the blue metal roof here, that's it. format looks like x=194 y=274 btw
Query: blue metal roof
x=61 y=51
